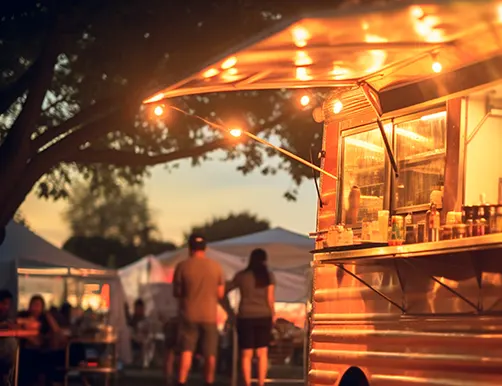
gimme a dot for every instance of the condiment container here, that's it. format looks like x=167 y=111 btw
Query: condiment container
x=396 y=231
x=447 y=232
x=411 y=234
x=459 y=231
x=366 y=231
x=421 y=232
x=498 y=226
x=475 y=219
x=469 y=228
x=383 y=224
x=492 y=219
x=480 y=223
x=432 y=219
x=467 y=213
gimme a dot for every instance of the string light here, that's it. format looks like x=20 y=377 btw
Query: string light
x=158 y=110
x=235 y=132
x=305 y=100
x=229 y=63
x=300 y=36
x=437 y=67
x=337 y=106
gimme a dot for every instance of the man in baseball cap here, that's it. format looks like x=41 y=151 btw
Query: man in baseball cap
x=198 y=284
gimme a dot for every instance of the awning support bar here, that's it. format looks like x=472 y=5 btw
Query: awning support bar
x=390 y=154
x=375 y=105
x=447 y=287
x=341 y=266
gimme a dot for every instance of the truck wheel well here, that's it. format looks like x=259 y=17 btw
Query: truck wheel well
x=354 y=376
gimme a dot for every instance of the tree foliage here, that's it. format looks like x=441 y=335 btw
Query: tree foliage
x=73 y=75
x=233 y=225
x=123 y=216
x=20 y=218
x=112 y=227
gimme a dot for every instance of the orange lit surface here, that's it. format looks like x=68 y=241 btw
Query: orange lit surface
x=382 y=46
x=327 y=213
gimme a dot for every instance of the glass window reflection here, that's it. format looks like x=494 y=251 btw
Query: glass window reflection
x=363 y=177
x=421 y=156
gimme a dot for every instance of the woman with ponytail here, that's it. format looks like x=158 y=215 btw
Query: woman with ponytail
x=256 y=285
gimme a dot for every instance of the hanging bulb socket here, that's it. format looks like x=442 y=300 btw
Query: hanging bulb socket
x=437 y=67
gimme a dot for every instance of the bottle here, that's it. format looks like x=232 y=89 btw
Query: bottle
x=432 y=222
x=481 y=222
x=498 y=214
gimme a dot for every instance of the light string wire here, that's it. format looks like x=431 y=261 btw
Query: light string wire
x=257 y=139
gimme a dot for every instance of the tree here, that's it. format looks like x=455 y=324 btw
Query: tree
x=74 y=73
x=102 y=251
x=111 y=226
x=20 y=218
x=123 y=215
x=234 y=225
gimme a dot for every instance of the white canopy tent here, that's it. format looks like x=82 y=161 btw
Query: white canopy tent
x=290 y=287
x=146 y=279
x=151 y=277
x=287 y=251
x=25 y=253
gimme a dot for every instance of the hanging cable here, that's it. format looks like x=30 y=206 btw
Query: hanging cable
x=315 y=180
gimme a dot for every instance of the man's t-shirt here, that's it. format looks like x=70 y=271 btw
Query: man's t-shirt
x=254 y=300
x=195 y=284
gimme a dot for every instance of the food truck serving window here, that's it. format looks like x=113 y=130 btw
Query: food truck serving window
x=363 y=176
x=421 y=155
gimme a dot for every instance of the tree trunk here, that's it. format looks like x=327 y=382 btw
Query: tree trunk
x=15 y=193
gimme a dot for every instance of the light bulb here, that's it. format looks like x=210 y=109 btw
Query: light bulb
x=210 y=73
x=229 y=63
x=337 y=106
x=300 y=36
x=305 y=100
x=437 y=67
x=235 y=132
x=302 y=74
x=158 y=111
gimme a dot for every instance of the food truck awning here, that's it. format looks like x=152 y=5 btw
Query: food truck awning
x=382 y=47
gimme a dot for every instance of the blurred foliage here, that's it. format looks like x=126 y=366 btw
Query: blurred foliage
x=234 y=225
x=112 y=224
x=20 y=218
x=73 y=75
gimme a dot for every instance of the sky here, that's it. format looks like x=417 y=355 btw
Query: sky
x=190 y=195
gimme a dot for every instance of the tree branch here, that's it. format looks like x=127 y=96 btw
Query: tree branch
x=123 y=158
x=17 y=191
x=10 y=93
x=84 y=119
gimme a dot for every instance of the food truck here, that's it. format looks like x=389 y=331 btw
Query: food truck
x=407 y=270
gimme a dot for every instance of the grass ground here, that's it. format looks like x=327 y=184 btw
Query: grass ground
x=284 y=376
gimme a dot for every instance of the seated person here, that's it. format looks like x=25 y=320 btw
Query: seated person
x=140 y=333
x=34 y=365
x=8 y=346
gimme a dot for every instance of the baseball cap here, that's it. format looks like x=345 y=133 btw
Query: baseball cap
x=197 y=242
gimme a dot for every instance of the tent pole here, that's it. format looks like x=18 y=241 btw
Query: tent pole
x=235 y=357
